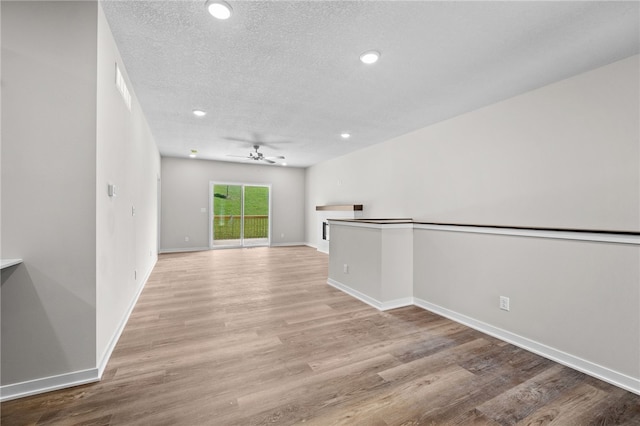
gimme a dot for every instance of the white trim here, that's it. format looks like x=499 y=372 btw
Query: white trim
x=48 y=384
x=600 y=237
x=315 y=246
x=210 y=214
x=381 y=306
x=184 y=249
x=618 y=379
x=286 y=244
x=391 y=225
x=537 y=233
x=397 y=303
x=102 y=364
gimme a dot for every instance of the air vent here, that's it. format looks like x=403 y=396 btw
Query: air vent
x=122 y=88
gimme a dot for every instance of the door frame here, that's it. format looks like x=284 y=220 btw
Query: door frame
x=212 y=183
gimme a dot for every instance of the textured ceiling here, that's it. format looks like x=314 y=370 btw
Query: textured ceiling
x=287 y=74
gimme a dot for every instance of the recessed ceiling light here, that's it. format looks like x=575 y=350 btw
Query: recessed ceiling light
x=219 y=9
x=345 y=135
x=284 y=164
x=193 y=153
x=199 y=113
x=370 y=57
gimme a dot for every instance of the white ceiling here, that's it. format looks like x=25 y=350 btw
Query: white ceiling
x=287 y=73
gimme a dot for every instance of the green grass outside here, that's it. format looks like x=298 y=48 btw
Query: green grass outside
x=227 y=207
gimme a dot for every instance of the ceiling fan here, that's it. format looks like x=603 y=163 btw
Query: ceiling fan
x=257 y=139
x=258 y=156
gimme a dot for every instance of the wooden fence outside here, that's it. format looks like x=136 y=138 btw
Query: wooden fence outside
x=227 y=227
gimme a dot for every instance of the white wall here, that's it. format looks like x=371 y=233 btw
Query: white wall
x=126 y=245
x=48 y=188
x=565 y=155
x=185 y=191
x=66 y=134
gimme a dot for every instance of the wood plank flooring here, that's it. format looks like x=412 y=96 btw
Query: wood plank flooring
x=256 y=337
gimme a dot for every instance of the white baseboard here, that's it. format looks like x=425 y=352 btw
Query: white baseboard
x=182 y=250
x=397 y=303
x=618 y=379
x=381 y=306
x=116 y=336
x=287 y=244
x=48 y=384
x=189 y=249
x=67 y=380
x=311 y=245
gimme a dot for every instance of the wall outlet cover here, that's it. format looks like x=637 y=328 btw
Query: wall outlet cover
x=504 y=303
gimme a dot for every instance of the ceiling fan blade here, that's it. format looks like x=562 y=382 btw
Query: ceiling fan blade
x=268 y=161
x=279 y=157
x=257 y=140
x=237 y=156
x=229 y=138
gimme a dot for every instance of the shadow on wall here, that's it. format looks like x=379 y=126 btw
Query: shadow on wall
x=45 y=330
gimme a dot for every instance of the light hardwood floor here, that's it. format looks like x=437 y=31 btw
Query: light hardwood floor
x=256 y=336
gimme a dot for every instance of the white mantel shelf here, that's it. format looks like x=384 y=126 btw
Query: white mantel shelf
x=341 y=208
x=5 y=263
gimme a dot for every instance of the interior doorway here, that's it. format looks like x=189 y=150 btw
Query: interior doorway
x=240 y=215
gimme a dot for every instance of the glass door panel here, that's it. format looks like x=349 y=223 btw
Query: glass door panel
x=256 y=215
x=227 y=216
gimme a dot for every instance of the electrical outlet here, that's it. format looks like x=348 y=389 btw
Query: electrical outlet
x=504 y=303
x=281 y=235
x=345 y=268
x=186 y=239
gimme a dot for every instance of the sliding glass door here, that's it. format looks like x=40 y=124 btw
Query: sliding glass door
x=255 y=221
x=227 y=215
x=240 y=215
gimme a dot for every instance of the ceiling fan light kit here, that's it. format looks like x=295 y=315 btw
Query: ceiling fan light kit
x=258 y=156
